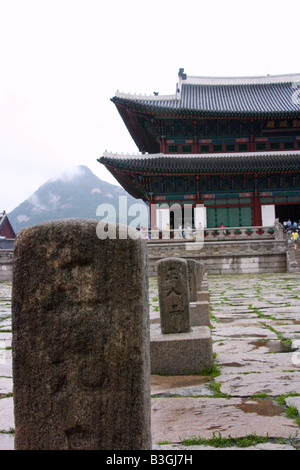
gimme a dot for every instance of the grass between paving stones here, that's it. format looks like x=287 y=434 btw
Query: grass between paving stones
x=218 y=441
x=287 y=342
x=5 y=395
x=291 y=411
x=213 y=386
x=259 y=313
x=5 y=317
x=213 y=317
x=10 y=431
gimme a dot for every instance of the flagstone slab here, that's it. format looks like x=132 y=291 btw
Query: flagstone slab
x=6 y=385
x=7 y=441
x=282 y=313
x=233 y=331
x=234 y=346
x=289 y=331
x=257 y=363
x=6 y=336
x=175 y=419
x=6 y=414
x=237 y=316
x=269 y=383
x=255 y=346
x=6 y=364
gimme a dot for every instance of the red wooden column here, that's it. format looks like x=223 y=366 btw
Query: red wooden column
x=163 y=146
x=256 y=206
x=152 y=209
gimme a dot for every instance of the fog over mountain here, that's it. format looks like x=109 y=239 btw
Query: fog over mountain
x=76 y=193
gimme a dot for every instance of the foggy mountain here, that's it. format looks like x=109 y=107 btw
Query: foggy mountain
x=77 y=194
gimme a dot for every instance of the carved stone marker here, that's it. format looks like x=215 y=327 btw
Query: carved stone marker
x=192 y=277
x=173 y=292
x=81 y=363
x=203 y=292
x=200 y=271
x=199 y=308
x=178 y=350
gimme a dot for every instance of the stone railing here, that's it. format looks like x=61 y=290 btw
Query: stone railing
x=214 y=234
x=239 y=233
x=172 y=235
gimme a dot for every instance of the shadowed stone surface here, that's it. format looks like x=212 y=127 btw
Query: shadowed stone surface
x=200 y=271
x=81 y=365
x=199 y=312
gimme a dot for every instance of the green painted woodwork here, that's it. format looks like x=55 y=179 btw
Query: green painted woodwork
x=233 y=215
x=221 y=216
x=245 y=216
x=229 y=216
x=225 y=186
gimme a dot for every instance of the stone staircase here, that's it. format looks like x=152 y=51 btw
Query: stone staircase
x=293 y=258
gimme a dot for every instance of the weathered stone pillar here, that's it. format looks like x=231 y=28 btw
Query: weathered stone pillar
x=173 y=292
x=199 y=309
x=192 y=277
x=178 y=350
x=81 y=363
x=200 y=271
x=203 y=292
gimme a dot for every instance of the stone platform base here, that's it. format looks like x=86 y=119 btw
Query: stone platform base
x=203 y=295
x=182 y=353
x=226 y=257
x=199 y=312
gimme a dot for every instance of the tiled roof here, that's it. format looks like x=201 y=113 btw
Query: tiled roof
x=250 y=95
x=204 y=163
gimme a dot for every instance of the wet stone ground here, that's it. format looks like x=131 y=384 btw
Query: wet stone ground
x=251 y=397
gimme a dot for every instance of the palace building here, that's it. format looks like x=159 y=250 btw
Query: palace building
x=228 y=147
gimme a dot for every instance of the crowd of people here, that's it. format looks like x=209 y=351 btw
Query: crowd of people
x=292 y=228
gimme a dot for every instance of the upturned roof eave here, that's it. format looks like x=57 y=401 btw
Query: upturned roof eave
x=203 y=163
x=160 y=110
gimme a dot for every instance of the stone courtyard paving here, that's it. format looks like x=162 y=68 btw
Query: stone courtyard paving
x=253 y=391
x=6 y=383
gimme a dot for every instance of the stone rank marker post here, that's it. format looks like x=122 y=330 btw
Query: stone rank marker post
x=173 y=293
x=192 y=277
x=179 y=349
x=81 y=355
x=199 y=305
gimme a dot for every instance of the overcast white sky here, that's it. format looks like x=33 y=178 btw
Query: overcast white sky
x=62 y=60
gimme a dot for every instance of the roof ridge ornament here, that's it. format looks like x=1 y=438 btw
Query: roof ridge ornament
x=242 y=80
